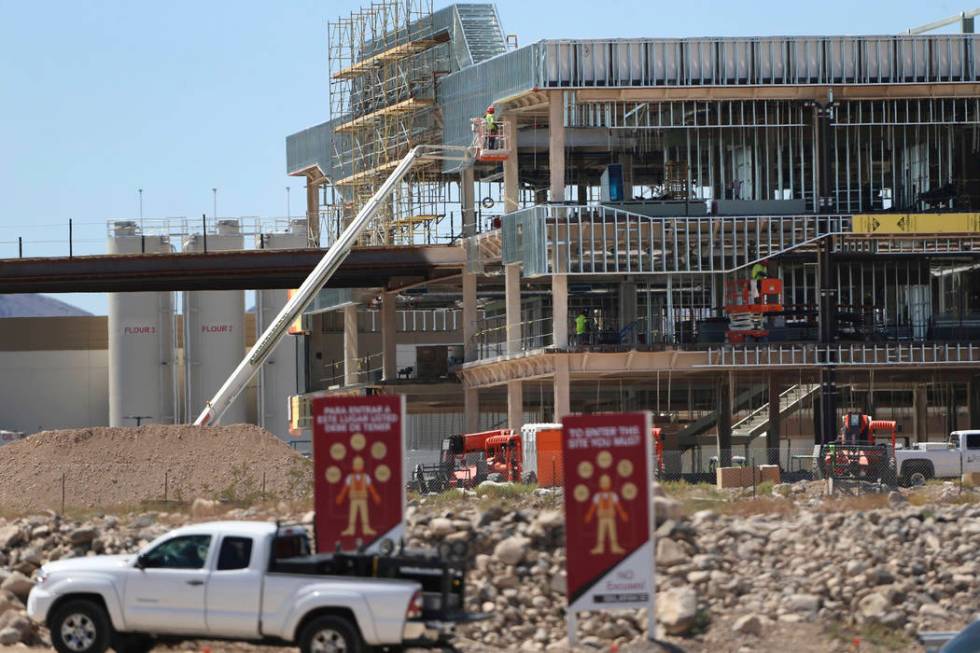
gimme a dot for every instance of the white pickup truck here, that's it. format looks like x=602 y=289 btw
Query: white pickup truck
x=250 y=581
x=925 y=460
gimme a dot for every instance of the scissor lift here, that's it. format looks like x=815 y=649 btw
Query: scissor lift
x=747 y=309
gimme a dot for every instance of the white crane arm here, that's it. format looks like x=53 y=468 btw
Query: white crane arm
x=308 y=290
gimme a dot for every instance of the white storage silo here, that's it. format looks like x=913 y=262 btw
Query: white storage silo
x=278 y=377
x=214 y=330
x=141 y=341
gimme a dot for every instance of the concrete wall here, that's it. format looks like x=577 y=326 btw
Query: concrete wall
x=53 y=389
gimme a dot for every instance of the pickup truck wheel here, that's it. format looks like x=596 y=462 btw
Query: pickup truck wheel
x=329 y=634
x=80 y=627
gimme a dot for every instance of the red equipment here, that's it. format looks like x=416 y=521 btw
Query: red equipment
x=856 y=454
x=658 y=448
x=747 y=309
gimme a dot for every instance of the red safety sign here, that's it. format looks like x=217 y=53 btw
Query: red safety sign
x=358 y=485
x=608 y=512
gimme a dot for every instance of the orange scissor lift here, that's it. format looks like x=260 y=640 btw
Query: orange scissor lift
x=489 y=147
x=747 y=310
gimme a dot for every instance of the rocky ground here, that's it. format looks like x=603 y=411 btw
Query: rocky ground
x=775 y=573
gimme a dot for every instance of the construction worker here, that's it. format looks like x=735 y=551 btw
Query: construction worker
x=855 y=428
x=490 y=128
x=357 y=487
x=760 y=271
x=581 y=325
x=605 y=506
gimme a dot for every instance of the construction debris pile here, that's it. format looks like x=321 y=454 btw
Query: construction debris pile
x=104 y=467
x=723 y=579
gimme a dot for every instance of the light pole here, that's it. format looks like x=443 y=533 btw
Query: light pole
x=141 y=203
x=288 y=214
x=214 y=210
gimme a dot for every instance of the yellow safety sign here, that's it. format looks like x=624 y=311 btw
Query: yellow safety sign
x=916 y=223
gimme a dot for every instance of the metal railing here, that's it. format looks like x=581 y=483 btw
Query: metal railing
x=551 y=239
x=844 y=355
x=490 y=339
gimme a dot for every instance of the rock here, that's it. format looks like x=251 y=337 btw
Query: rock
x=559 y=583
x=874 y=607
x=896 y=499
x=550 y=519
x=82 y=536
x=677 y=610
x=440 y=526
x=670 y=553
x=203 y=507
x=808 y=603
x=18 y=584
x=512 y=550
x=9 y=636
x=666 y=508
x=749 y=624
x=933 y=610
x=10 y=536
x=9 y=602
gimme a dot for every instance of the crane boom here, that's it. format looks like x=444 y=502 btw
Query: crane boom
x=306 y=293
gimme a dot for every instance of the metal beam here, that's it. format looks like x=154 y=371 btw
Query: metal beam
x=367 y=267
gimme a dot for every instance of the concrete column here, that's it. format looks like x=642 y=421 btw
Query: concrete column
x=515 y=405
x=511 y=188
x=626 y=160
x=724 y=438
x=973 y=401
x=313 y=212
x=512 y=304
x=556 y=146
x=951 y=408
x=774 y=428
x=920 y=403
x=627 y=306
x=350 y=344
x=471 y=409
x=469 y=317
x=389 y=315
x=559 y=307
x=562 y=388
x=467 y=200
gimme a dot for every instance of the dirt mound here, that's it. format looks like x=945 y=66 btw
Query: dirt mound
x=103 y=466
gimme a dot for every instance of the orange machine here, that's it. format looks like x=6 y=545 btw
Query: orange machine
x=542 y=454
x=658 y=449
x=747 y=309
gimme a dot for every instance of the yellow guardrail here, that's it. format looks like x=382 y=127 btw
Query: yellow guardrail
x=916 y=223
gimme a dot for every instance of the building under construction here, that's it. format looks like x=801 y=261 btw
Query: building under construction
x=747 y=236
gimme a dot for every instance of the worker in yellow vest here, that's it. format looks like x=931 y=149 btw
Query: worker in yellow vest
x=581 y=325
x=490 y=128
x=760 y=271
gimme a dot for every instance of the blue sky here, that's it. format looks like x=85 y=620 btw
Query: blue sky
x=103 y=97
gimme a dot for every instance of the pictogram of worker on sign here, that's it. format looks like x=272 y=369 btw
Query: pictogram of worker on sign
x=605 y=505
x=358 y=486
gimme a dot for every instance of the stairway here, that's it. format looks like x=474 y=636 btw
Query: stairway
x=482 y=31
x=755 y=423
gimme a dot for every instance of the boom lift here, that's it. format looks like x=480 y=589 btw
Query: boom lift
x=325 y=269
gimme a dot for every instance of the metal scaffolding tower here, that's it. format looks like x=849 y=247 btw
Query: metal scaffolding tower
x=384 y=61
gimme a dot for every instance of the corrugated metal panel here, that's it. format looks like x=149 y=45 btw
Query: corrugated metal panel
x=312 y=146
